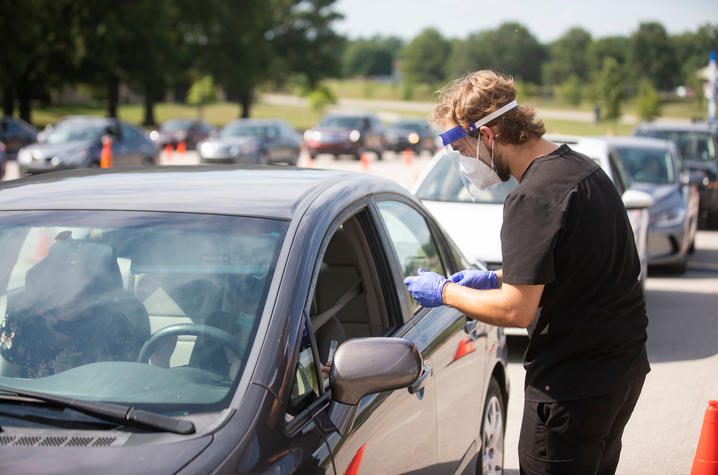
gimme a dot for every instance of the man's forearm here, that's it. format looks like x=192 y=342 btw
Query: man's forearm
x=507 y=306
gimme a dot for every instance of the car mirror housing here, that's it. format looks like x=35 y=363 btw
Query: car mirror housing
x=634 y=199
x=366 y=366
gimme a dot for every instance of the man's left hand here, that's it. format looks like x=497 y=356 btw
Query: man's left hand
x=426 y=288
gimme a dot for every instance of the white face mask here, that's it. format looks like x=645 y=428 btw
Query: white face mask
x=474 y=171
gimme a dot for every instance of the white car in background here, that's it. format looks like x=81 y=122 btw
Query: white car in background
x=475 y=226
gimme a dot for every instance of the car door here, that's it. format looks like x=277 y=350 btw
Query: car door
x=394 y=431
x=458 y=353
x=127 y=151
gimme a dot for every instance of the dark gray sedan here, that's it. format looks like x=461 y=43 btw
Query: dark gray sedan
x=261 y=141
x=76 y=142
x=204 y=320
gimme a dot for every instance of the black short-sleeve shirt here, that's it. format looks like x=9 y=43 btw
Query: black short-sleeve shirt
x=565 y=226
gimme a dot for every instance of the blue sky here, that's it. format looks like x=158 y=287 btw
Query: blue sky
x=547 y=20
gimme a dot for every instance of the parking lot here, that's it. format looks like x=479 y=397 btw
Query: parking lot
x=682 y=341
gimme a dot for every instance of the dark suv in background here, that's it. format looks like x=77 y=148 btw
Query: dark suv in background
x=346 y=133
x=697 y=142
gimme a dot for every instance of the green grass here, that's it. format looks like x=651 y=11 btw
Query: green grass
x=587 y=128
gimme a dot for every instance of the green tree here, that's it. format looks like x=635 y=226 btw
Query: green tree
x=651 y=55
x=200 y=93
x=610 y=87
x=422 y=60
x=303 y=40
x=570 y=90
x=568 y=57
x=615 y=47
x=519 y=54
x=371 y=57
x=647 y=103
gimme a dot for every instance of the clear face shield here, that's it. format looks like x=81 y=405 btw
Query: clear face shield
x=472 y=169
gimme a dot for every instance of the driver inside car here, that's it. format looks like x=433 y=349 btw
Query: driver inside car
x=67 y=315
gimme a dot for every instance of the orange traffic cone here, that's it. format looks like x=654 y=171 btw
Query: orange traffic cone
x=106 y=153
x=181 y=148
x=168 y=153
x=364 y=162
x=408 y=156
x=465 y=347
x=353 y=467
x=706 y=459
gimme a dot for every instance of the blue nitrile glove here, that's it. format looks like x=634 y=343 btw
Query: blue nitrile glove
x=426 y=288
x=476 y=279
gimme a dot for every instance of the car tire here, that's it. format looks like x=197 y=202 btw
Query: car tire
x=679 y=268
x=493 y=429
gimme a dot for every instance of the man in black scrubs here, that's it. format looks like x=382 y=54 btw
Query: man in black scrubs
x=570 y=275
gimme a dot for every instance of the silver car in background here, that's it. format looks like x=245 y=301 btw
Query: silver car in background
x=252 y=141
x=658 y=169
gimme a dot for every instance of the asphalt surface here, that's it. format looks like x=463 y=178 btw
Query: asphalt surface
x=662 y=435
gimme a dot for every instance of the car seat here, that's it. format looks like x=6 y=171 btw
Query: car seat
x=78 y=275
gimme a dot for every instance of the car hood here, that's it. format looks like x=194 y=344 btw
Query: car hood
x=333 y=130
x=50 y=150
x=399 y=132
x=658 y=192
x=474 y=227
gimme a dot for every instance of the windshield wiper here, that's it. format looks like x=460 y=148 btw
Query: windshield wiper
x=123 y=415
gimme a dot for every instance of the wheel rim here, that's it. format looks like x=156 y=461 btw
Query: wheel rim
x=492 y=438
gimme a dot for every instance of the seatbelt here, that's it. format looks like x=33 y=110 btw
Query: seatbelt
x=322 y=318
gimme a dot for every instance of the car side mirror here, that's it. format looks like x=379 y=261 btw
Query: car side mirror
x=634 y=199
x=366 y=366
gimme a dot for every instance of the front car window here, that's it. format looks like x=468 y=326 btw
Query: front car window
x=444 y=184
x=693 y=145
x=132 y=307
x=648 y=165
x=72 y=130
x=412 y=239
x=243 y=130
x=177 y=124
x=342 y=122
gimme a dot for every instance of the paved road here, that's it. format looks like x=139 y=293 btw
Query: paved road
x=682 y=345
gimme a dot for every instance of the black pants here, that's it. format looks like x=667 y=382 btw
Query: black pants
x=576 y=437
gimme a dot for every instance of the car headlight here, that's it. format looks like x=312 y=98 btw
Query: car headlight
x=354 y=135
x=24 y=156
x=413 y=138
x=154 y=135
x=207 y=148
x=670 y=217
x=314 y=135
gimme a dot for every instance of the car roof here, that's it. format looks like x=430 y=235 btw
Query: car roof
x=700 y=126
x=271 y=192
x=644 y=142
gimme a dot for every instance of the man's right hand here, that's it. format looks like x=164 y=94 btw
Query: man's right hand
x=476 y=279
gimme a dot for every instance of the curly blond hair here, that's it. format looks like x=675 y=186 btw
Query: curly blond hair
x=473 y=96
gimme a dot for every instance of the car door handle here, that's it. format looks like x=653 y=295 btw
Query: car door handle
x=419 y=384
x=470 y=326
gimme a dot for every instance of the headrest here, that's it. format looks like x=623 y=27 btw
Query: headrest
x=73 y=269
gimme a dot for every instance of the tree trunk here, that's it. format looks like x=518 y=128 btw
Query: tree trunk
x=24 y=94
x=245 y=102
x=113 y=96
x=149 y=106
x=8 y=101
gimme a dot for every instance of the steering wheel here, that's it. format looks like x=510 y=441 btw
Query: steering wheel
x=196 y=329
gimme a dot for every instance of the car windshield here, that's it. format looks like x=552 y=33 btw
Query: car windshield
x=138 y=308
x=177 y=124
x=648 y=165
x=413 y=126
x=443 y=183
x=73 y=130
x=342 y=122
x=692 y=144
x=244 y=130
